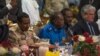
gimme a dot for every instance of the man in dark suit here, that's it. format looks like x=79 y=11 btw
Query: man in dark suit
x=4 y=10
x=95 y=3
x=87 y=24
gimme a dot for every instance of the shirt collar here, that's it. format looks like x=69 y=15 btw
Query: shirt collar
x=53 y=28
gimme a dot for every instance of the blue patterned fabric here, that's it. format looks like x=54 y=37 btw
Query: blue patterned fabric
x=52 y=33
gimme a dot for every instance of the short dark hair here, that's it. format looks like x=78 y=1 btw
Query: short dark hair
x=21 y=16
x=64 y=10
x=54 y=16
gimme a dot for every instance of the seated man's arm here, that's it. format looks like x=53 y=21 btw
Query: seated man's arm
x=43 y=33
x=14 y=38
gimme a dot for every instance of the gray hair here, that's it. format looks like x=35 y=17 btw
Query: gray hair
x=87 y=7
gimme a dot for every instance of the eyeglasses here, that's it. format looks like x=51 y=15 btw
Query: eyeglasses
x=89 y=14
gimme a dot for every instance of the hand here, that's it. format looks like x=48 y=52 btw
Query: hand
x=13 y=3
x=68 y=39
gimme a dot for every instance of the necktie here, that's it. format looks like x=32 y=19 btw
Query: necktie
x=70 y=31
x=91 y=29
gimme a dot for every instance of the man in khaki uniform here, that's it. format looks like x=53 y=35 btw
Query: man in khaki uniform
x=22 y=34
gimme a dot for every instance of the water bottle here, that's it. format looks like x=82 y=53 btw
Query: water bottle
x=57 y=45
x=70 y=48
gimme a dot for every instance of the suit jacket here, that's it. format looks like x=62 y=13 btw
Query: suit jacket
x=82 y=27
x=4 y=30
